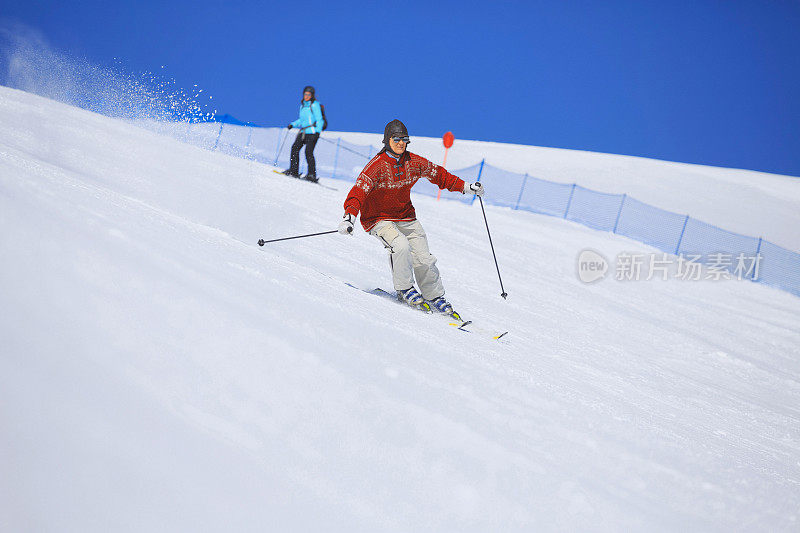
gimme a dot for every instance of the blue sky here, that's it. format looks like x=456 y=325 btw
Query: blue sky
x=714 y=82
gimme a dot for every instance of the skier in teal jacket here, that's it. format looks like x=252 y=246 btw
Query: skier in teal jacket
x=310 y=123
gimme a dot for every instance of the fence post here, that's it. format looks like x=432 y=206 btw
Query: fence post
x=247 y=144
x=480 y=172
x=569 y=202
x=680 y=239
x=221 y=125
x=369 y=151
x=756 y=260
x=621 y=205
x=521 y=189
x=336 y=157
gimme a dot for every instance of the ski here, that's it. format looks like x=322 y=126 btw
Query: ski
x=460 y=324
x=464 y=326
x=305 y=180
x=424 y=307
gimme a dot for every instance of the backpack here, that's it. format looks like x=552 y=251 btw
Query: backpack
x=324 y=118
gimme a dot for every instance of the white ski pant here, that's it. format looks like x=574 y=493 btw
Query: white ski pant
x=410 y=257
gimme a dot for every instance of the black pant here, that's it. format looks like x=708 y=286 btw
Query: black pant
x=310 y=140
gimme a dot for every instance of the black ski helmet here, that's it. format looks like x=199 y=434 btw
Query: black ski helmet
x=394 y=129
x=309 y=89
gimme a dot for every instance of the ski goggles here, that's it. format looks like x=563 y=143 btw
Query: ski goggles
x=405 y=139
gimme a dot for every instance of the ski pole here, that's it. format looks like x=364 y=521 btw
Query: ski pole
x=281 y=148
x=262 y=242
x=504 y=294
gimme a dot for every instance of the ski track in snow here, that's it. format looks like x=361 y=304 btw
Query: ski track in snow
x=162 y=371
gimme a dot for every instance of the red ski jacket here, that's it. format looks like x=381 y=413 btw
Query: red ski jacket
x=383 y=189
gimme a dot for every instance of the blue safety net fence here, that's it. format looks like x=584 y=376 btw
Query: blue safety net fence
x=669 y=232
x=335 y=158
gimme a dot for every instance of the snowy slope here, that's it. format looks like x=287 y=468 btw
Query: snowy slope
x=161 y=372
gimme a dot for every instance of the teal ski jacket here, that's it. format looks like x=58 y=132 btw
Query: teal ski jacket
x=310 y=120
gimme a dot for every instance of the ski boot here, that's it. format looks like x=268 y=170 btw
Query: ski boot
x=413 y=299
x=311 y=177
x=440 y=305
x=291 y=173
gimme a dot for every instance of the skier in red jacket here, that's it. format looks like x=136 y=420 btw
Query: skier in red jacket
x=382 y=196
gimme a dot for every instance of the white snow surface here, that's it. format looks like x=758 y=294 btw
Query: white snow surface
x=161 y=372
